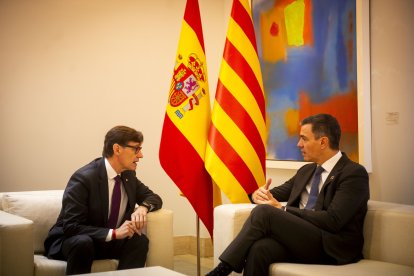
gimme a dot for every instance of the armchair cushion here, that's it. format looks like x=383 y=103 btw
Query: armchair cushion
x=160 y=235
x=16 y=246
x=26 y=217
x=48 y=267
x=41 y=207
x=363 y=267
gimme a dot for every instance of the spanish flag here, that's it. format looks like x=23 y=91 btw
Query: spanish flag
x=187 y=118
x=235 y=153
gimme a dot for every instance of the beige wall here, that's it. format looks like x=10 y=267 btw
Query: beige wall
x=72 y=69
x=392 y=73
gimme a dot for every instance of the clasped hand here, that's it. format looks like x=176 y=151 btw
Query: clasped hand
x=264 y=196
x=135 y=225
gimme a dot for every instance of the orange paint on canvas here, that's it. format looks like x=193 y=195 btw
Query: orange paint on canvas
x=291 y=121
x=308 y=26
x=342 y=106
x=273 y=36
x=273 y=33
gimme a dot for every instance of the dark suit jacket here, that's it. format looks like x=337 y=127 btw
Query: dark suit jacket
x=85 y=205
x=340 y=208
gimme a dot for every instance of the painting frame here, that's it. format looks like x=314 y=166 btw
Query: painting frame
x=363 y=92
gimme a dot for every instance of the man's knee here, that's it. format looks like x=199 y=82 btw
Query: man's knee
x=262 y=211
x=139 y=241
x=84 y=240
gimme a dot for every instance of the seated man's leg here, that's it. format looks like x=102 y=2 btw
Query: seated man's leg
x=301 y=239
x=132 y=253
x=79 y=253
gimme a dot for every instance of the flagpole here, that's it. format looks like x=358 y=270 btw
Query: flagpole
x=198 y=246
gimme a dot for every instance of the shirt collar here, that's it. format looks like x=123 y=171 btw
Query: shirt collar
x=331 y=162
x=110 y=172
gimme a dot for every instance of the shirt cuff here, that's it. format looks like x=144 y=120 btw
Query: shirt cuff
x=109 y=236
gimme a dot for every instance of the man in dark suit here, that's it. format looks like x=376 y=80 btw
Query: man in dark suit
x=323 y=225
x=99 y=221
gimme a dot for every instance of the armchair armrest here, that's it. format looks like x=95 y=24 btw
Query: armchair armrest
x=228 y=220
x=160 y=235
x=16 y=245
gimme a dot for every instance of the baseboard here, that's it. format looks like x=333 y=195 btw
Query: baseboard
x=188 y=245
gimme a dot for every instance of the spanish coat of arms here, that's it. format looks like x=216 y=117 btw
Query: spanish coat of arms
x=186 y=84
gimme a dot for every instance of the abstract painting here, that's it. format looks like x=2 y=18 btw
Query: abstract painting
x=307 y=50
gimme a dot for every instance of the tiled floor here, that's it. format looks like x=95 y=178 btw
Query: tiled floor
x=187 y=264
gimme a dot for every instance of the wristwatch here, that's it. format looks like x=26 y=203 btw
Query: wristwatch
x=147 y=205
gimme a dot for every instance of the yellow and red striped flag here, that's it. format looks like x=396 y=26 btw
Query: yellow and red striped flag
x=235 y=153
x=187 y=118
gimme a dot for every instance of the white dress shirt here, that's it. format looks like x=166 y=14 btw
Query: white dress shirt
x=111 y=173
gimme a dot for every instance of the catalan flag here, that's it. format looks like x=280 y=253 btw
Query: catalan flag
x=187 y=118
x=235 y=153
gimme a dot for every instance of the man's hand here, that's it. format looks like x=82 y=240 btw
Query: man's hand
x=261 y=194
x=126 y=230
x=139 y=218
x=134 y=226
x=264 y=196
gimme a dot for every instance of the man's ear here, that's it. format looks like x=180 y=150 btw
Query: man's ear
x=324 y=142
x=116 y=148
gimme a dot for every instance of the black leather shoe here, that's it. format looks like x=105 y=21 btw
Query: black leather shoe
x=222 y=269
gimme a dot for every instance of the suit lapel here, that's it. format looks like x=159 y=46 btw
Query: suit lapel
x=301 y=184
x=336 y=169
x=330 y=179
x=129 y=189
x=103 y=189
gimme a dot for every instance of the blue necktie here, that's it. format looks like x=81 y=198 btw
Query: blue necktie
x=115 y=203
x=313 y=195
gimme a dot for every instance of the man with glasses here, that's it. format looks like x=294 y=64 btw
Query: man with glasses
x=99 y=218
x=323 y=220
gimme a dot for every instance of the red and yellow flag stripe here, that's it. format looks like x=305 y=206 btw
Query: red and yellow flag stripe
x=235 y=153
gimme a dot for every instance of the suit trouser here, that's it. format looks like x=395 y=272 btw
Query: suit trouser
x=272 y=235
x=80 y=251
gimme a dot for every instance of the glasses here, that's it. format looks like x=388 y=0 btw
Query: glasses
x=136 y=148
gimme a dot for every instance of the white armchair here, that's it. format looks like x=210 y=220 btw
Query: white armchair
x=26 y=217
x=388 y=247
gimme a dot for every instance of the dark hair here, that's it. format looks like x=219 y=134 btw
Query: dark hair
x=120 y=135
x=325 y=125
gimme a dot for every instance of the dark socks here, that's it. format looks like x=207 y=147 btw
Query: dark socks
x=222 y=269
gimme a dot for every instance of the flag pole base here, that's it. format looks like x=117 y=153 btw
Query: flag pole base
x=198 y=246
